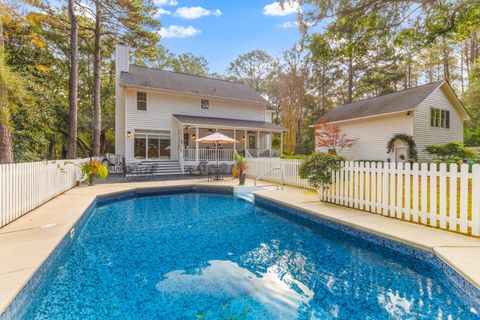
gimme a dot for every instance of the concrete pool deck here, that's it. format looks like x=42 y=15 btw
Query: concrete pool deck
x=28 y=241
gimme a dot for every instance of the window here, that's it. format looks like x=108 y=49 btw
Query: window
x=439 y=118
x=205 y=104
x=142 y=101
x=140 y=146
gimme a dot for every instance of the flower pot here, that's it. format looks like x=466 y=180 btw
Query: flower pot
x=241 y=179
x=91 y=179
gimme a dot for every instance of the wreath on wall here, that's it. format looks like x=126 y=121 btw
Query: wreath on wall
x=412 y=146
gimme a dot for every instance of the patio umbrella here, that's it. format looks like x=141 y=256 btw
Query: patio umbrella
x=217 y=138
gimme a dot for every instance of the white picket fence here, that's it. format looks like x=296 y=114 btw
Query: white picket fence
x=446 y=197
x=25 y=186
x=289 y=167
x=442 y=196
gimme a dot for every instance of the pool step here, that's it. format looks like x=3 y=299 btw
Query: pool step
x=246 y=193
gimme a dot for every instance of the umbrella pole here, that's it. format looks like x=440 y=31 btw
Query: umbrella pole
x=216 y=151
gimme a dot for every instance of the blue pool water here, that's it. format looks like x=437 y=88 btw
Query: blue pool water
x=204 y=256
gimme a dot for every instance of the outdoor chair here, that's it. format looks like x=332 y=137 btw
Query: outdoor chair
x=212 y=171
x=201 y=169
x=224 y=170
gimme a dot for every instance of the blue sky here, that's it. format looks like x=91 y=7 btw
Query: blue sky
x=220 y=30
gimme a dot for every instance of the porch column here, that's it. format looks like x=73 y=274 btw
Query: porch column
x=246 y=142
x=182 y=141
x=197 y=132
x=281 y=143
x=258 y=143
x=234 y=138
x=269 y=142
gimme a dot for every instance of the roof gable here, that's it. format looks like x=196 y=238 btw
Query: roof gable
x=189 y=84
x=400 y=101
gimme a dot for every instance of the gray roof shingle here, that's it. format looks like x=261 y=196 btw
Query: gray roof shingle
x=189 y=84
x=389 y=103
x=231 y=123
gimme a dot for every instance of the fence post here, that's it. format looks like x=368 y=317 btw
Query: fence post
x=476 y=200
x=392 y=188
x=464 y=198
x=453 y=181
x=443 y=195
x=415 y=193
x=399 y=177
x=407 y=183
x=368 y=191
x=433 y=194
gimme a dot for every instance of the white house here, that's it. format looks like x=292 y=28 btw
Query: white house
x=159 y=115
x=430 y=114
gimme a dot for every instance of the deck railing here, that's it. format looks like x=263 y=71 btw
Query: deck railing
x=208 y=154
x=25 y=186
x=225 y=154
x=289 y=168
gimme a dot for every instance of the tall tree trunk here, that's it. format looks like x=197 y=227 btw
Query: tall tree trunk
x=462 y=76
x=97 y=110
x=473 y=49
x=72 y=132
x=350 y=79
x=446 y=58
x=6 y=141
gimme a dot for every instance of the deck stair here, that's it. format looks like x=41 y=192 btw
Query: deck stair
x=155 y=168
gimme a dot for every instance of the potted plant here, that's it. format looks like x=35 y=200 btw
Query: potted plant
x=92 y=169
x=318 y=167
x=240 y=167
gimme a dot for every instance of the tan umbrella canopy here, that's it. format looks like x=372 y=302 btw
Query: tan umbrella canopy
x=217 y=138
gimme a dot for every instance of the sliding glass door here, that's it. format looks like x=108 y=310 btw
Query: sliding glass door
x=152 y=145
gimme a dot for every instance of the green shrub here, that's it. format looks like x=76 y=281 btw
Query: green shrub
x=295 y=156
x=450 y=152
x=317 y=168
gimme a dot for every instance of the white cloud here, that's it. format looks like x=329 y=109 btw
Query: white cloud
x=195 y=12
x=275 y=8
x=288 y=24
x=164 y=12
x=160 y=3
x=174 y=31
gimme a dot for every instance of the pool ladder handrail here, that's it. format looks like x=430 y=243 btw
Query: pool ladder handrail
x=267 y=172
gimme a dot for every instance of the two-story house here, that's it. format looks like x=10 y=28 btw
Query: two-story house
x=160 y=115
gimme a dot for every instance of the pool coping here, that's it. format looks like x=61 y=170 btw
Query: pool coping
x=114 y=192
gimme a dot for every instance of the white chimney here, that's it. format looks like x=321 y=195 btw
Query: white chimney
x=122 y=58
x=122 y=62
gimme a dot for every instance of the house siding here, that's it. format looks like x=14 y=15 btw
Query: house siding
x=424 y=134
x=161 y=107
x=373 y=135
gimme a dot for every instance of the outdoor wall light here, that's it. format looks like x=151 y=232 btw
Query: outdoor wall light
x=129 y=134
x=194 y=137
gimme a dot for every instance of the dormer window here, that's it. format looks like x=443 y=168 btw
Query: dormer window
x=205 y=104
x=141 y=101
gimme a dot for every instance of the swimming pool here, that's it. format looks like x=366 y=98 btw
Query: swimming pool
x=211 y=256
